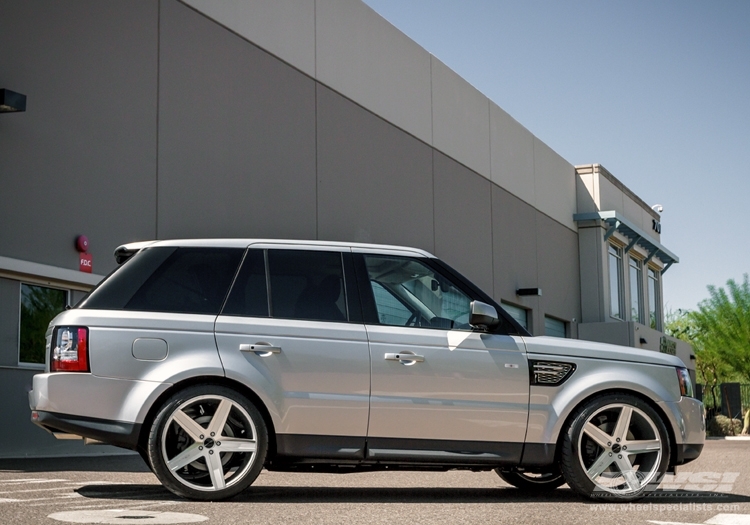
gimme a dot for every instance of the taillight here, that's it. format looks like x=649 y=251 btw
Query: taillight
x=70 y=349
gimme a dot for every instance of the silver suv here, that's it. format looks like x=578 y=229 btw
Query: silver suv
x=216 y=358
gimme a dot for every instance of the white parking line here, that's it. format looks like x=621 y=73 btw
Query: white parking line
x=72 y=495
x=66 y=495
x=29 y=490
x=12 y=482
x=134 y=505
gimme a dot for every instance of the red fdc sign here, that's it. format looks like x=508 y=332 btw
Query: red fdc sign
x=86 y=262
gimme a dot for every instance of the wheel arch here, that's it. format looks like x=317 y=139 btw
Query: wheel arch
x=622 y=391
x=209 y=380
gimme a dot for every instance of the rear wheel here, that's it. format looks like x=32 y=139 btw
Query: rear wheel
x=207 y=442
x=615 y=447
x=532 y=481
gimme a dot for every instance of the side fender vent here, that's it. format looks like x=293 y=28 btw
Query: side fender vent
x=550 y=373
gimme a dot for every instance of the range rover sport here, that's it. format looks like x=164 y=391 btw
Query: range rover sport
x=217 y=358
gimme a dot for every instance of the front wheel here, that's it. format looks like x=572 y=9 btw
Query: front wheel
x=615 y=447
x=532 y=481
x=207 y=442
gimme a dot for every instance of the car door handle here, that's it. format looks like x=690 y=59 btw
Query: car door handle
x=404 y=356
x=261 y=348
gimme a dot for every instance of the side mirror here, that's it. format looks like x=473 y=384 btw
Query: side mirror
x=483 y=316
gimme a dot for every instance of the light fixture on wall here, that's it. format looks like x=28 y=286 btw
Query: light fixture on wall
x=12 y=102
x=529 y=291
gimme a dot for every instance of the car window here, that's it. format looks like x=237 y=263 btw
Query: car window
x=249 y=295
x=404 y=285
x=163 y=279
x=390 y=309
x=307 y=284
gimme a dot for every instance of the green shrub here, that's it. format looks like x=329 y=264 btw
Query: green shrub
x=722 y=426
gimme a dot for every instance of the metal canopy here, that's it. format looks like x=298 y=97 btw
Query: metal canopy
x=617 y=223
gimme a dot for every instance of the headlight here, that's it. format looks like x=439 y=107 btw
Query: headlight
x=686 y=385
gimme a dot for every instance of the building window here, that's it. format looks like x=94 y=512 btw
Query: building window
x=654 y=299
x=615 y=283
x=519 y=314
x=39 y=305
x=554 y=327
x=636 y=290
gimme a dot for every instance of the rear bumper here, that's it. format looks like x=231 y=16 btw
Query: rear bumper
x=118 y=433
x=85 y=396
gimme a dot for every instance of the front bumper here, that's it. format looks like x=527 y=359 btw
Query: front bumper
x=686 y=453
x=687 y=418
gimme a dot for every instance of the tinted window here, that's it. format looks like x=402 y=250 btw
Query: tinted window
x=181 y=280
x=307 y=285
x=249 y=296
x=39 y=305
x=390 y=309
x=402 y=284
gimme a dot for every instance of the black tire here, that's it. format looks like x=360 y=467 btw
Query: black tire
x=207 y=466
x=144 y=456
x=595 y=459
x=532 y=481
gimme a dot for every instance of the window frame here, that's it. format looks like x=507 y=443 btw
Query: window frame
x=507 y=325
x=21 y=284
x=566 y=326
x=658 y=324
x=636 y=265
x=349 y=289
x=620 y=280
x=527 y=311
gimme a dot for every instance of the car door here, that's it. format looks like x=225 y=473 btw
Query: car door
x=292 y=333
x=441 y=391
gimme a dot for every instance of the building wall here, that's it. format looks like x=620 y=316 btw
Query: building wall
x=151 y=120
x=598 y=190
x=364 y=57
x=82 y=158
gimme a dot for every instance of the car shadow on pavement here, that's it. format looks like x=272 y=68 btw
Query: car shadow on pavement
x=285 y=494
x=122 y=463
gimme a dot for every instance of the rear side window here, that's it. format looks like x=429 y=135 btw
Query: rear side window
x=249 y=295
x=163 y=279
x=307 y=285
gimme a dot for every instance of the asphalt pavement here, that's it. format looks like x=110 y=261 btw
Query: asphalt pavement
x=713 y=490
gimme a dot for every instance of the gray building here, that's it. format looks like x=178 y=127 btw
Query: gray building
x=312 y=119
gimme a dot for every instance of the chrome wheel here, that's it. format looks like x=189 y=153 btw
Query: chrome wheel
x=615 y=447
x=208 y=445
x=620 y=449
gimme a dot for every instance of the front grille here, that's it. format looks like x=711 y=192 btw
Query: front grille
x=550 y=373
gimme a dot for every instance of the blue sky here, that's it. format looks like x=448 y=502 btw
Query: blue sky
x=657 y=91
